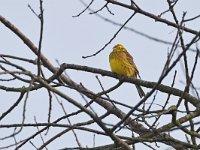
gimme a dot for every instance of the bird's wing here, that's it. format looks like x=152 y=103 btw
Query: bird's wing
x=130 y=60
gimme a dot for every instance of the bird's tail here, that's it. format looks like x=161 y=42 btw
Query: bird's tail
x=140 y=91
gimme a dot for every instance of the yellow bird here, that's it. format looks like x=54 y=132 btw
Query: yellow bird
x=121 y=62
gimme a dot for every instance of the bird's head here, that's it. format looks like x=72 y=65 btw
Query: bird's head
x=119 y=47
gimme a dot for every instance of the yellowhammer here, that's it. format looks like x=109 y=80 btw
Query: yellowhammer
x=121 y=62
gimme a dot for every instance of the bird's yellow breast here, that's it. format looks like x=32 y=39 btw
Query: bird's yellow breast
x=117 y=67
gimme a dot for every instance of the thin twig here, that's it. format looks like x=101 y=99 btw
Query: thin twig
x=111 y=38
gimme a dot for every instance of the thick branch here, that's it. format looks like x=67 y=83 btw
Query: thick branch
x=150 y=15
